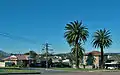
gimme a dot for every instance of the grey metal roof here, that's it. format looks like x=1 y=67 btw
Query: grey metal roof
x=115 y=57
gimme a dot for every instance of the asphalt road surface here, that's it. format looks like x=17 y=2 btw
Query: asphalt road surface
x=58 y=72
x=78 y=73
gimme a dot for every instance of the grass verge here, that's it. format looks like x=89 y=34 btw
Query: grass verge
x=16 y=71
x=85 y=70
x=72 y=69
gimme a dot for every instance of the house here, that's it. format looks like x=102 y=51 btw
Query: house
x=56 y=59
x=17 y=59
x=113 y=62
x=96 y=55
x=94 y=58
x=2 y=64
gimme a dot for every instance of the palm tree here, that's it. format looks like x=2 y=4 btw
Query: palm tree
x=102 y=39
x=81 y=51
x=76 y=33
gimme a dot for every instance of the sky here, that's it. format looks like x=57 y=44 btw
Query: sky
x=28 y=24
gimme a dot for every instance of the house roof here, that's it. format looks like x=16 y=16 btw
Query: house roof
x=115 y=57
x=17 y=57
x=112 y=53
x=94 y=53
x=22 y=57
x=11 y=58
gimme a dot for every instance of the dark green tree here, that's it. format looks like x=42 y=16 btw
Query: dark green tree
x=102 y=39
x=81 y=51
x=32 y=55
x=76 y=33
x=90 y=59
x=50 y=62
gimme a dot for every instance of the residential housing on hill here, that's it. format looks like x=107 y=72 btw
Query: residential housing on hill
x=90 y=59
x=17 y=60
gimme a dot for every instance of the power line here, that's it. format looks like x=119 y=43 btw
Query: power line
x=17 y=38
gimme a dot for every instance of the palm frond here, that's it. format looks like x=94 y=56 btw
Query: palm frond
x=102 y=38
x=75 y=31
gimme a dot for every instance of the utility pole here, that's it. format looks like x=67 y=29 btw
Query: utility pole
x=46 y=48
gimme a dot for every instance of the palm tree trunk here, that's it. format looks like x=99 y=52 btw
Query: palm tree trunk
x=102 y=58
x=77 y=61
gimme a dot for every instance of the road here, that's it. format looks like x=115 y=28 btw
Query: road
x=78 y=73
x=58 y=72
x=43 y=71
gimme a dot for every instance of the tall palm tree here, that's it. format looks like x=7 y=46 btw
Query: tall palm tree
x=102 y=39
x=76 y=33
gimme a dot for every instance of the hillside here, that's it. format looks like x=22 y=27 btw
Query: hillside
x=3 y=54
